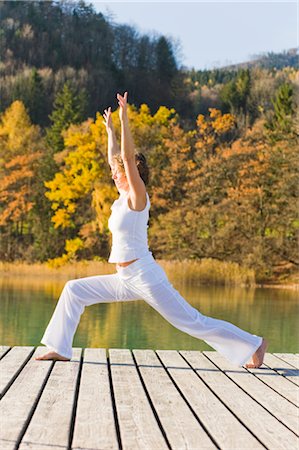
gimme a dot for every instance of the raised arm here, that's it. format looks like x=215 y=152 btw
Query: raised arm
x=137 y=192
x=113 y=148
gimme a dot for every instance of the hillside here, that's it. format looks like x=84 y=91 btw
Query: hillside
x=270 y=60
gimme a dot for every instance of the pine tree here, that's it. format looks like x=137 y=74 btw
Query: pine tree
x=165 y=71
x=68 y=109
x=281 y=123
x=235 y=95
x=36 y=98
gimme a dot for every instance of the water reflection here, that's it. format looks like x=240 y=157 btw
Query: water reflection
x=27 y=305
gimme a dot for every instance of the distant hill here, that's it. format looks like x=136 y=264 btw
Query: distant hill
x=270 y=60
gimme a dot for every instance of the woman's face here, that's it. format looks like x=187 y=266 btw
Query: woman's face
x=119 y=178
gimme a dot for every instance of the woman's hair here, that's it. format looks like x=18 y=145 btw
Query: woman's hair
x=141 y=164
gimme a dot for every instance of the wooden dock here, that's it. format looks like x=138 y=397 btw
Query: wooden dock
x=146 y=399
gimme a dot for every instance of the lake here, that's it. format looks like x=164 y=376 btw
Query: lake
x=27 y=304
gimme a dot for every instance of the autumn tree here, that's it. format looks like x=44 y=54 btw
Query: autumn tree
x=80 y=188
x=201 y=186
x=262 y=204
x=241 y=206
x=20 y=153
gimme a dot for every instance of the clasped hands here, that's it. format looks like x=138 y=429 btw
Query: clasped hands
x=122 y=102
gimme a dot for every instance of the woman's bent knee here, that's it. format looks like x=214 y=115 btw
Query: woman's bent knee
x=70 y=283
x=71 y=286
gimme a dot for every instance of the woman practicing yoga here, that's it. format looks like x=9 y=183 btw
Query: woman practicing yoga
x=138 y=275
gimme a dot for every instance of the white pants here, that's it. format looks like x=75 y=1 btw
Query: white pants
x=144 y=279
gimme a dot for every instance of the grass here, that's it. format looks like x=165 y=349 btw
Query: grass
x=205 y=271
x=211 y=271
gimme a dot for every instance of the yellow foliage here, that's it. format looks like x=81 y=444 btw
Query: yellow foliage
x=224 y=123
x=200 y=120
x=61 y=219
x=214 y=113
x=211 y=129
x=84 y=164
x=165 y=116
x=102 y=197
x=17 y=134
x=55 y=263
x=71 y=246
x=20 y=153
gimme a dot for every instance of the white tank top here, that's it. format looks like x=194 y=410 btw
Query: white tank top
x=129 y=230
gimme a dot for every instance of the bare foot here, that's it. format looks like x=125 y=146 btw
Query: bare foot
x=258 y=356
x=52 y=355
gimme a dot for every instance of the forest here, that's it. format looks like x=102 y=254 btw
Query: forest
x=222 y=144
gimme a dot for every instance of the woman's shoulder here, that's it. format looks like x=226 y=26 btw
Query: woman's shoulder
x=138 y=204
x=125 y=199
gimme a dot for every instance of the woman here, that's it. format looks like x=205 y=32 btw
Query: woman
x=137 y=273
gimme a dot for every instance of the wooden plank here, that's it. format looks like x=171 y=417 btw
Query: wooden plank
x=261 y=423
x=17 y=403
x=95 y=425
x=225 y=428
x=51 y=421
x=3 y=350
x=11 y=365
x=282 y=367
x=278 y=383
x=290 y=358
x=138 y=426
x=282 y=409
x=180 y=425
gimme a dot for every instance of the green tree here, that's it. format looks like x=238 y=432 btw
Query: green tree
x=36 y=98
x=165 y=72
x=281 y=122
x=235 y=95
x=68 y=109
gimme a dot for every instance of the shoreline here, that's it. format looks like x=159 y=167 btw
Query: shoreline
x=205 y=272
x=291 y=286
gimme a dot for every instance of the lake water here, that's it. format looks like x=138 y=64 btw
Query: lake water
x=27 y=304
